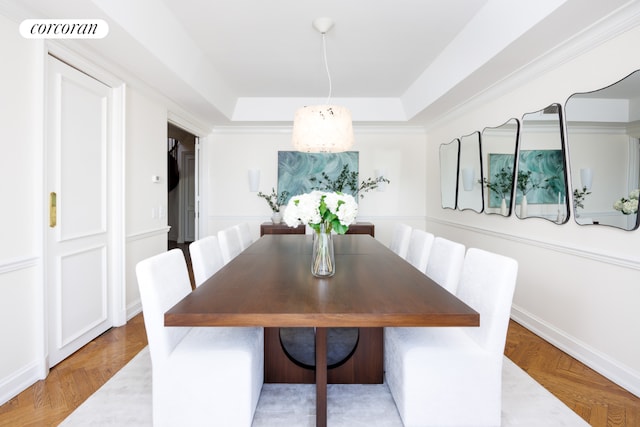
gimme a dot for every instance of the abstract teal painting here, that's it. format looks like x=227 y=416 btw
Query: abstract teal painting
x=295 y=169
x=547 y=170
x=497 y=162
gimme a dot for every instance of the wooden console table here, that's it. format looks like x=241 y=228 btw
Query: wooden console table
x=282 y=228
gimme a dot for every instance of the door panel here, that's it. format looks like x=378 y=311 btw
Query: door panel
x=189 y=166
x=78 y=269
x=77 y=247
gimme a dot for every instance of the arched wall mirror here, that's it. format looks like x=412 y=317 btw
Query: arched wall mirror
x=449 y=173
x=603 y=133
x=541 y=179
x=499 y=147
x=469 y=171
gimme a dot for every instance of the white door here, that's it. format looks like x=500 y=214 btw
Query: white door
x=77 y=242
x=188 y=192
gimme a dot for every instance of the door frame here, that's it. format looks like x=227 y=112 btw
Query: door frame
x=197 y=130
x=184 y=196
x=116 y=172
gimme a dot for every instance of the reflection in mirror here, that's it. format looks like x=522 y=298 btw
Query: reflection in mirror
x=469 y=171
x=603 y=130
x=499 y=147
x=449 y=173
x=541 y=179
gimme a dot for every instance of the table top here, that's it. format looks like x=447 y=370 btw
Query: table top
x=270 y=284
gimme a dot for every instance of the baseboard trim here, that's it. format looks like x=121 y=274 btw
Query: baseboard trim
x=620 y=374
x=19 y=381
x=134 y=309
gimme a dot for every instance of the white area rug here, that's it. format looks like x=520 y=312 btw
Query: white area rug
x=125 y=400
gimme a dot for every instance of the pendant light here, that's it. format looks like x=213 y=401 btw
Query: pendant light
x=323 y=128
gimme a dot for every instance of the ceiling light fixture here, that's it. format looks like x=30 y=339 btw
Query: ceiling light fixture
x=323 y=128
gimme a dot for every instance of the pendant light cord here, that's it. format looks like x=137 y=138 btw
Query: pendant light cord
x=326 y=65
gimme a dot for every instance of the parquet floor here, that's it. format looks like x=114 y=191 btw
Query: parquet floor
x=46 y=403
x=596 y=399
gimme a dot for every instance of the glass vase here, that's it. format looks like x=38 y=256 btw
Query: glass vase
x=322 y=259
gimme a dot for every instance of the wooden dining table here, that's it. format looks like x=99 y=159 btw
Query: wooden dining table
x=270 y=284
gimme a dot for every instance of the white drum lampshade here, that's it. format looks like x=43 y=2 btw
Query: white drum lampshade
x=322 y=129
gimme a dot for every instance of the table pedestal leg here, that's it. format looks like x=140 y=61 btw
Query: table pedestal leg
x=321 y=377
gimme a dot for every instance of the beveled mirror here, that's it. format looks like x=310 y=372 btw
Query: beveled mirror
x=499 y=147
x=449 y=173
x=469 y=171
x=603 y=131
x=541 y=178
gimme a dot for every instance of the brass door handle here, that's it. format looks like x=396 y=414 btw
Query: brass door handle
x=52 y=209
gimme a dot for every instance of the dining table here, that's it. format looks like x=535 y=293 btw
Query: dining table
x=270 y=284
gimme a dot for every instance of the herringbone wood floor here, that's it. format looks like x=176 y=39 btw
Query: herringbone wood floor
x=46 y=403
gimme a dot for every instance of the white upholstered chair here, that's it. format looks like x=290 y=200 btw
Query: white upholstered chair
x=452 y=376
x=400 y=239
x=230 y=244
x=206 y=258
x=419 y=249
x=201 y=375
x=244 y=234
x=445 y=263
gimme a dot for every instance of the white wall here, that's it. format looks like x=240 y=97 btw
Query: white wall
x=578 y=287
x=227 y=155
x=146 y=201
x=21 y=318
x=23 y=216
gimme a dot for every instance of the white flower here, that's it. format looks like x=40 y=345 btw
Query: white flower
x=630 y=206
x=338 y=210
x=348 y=210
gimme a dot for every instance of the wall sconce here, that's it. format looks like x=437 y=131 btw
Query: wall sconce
x=254 y=180
x=468 y=176
x=378 y=174
x=586 y=176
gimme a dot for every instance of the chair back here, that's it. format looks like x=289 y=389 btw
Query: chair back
x=400 y=239
x=206 y=258
x=487 y=285
x=419 y=249
x=230 y=245
x=445 y=263
x=244 y=234
x=163 y=280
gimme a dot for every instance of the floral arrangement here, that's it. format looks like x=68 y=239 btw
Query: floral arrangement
x=347 y=180
x=501 y=184
x=628 y=206
x=579 y=196
x=336 y=211
x=526 y=183
x=274 y=200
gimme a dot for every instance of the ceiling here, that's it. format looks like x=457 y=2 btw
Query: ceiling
x=241 y=62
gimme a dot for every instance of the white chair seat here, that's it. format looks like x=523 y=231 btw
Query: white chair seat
x=419 y=249
x=244 y=234
x=452 y=376
x=201 y=375
x=206 y=258
x=400 y=240
x=230 y=244
x=445 y=263
x=414 y=352
x=207 y=373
